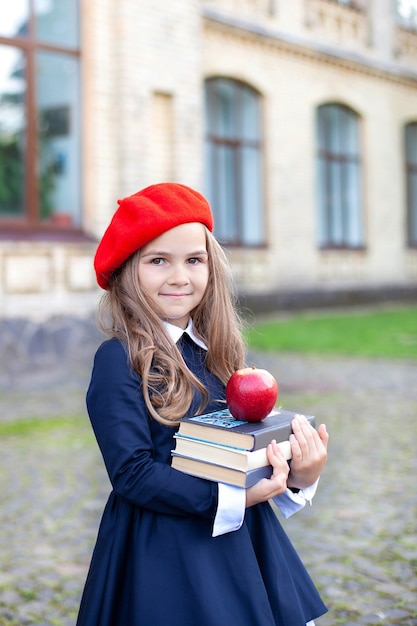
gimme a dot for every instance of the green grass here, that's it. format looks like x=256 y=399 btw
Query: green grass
x=381 y=333
x=31 y=426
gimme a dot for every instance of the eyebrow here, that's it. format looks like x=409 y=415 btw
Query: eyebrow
x=163 y=253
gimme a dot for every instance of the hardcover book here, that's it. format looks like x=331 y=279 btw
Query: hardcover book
x=222 y=428
x=235 y=458
x=220 y=474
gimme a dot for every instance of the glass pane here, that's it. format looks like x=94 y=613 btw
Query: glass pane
x=12 y=131
x=225 y=118
x=352 y=204
x=250 y=115
x=210 y=107
x=212 y=187
x=349 y=132
x=320 y=134
x=227 y=201
x=56 y=21
x=208 y=172
x=328 y=128
x=322 y=222
x=14 y=18
x=411 y=143
x=58 y=138
x=333 y=137
x=252 y=206
x=412 y=235
x=219 y=189
x=336 y=217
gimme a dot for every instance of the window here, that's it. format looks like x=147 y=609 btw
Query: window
x=39 y=114
x=339 y=177
x=411 y=174
x=407 y=13
x=234 y=161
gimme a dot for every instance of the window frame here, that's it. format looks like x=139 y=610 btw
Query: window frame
x=29 y=224
x=237 y=145
x=342 y=159
x=411 y=196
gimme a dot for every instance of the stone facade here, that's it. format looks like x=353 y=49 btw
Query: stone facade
x=143 y=121
x=42 y=279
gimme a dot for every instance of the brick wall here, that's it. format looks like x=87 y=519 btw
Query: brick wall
x=143 y=121
x=293 y=80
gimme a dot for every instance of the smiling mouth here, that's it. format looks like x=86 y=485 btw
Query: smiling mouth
x=176 y=295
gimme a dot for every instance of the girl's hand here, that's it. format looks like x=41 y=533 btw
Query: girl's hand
x=309 y=452
x=270 y=487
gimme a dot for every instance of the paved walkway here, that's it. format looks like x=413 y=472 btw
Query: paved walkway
x=359 y=539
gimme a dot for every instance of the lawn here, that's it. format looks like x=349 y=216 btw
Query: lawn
x=389 y=333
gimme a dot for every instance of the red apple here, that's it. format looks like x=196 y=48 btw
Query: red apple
x=251 y=394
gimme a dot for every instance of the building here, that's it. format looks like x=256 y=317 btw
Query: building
x=297 y=118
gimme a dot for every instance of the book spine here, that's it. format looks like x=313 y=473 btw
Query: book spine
x=253 y=476
x=208 y=471
x=179 y=435
x=280 y=433
x=264 y=437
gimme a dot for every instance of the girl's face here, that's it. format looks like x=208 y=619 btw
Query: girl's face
x=173 y=271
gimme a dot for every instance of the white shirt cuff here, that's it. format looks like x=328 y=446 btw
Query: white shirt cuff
x=231 y=505
x=230 y=509
x=290 y=502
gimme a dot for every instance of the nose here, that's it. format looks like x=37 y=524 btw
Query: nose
x=178 y=275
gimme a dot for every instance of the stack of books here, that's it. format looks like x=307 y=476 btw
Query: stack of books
x=218 y=447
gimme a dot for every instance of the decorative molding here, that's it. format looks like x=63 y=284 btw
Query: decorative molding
x=342 y=265
x=405 y=44
x=315 y=50
x=343 y=24
x=254 y=9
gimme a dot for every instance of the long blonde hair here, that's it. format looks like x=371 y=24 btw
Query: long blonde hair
x=126 y=312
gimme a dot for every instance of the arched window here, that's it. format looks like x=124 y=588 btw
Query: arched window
x=339 y=180
x=39 y=115
x=411 y=174
x=234 y=161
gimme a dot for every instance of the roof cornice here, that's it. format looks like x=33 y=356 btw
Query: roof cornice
x=309 y=48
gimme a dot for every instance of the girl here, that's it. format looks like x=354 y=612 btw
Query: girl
x=172 y=549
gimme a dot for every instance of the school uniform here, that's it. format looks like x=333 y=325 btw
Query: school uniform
x=156 y=561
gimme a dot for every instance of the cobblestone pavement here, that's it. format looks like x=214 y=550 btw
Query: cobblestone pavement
x=358 y=540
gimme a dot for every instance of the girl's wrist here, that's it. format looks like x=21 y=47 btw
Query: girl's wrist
x=292 y=485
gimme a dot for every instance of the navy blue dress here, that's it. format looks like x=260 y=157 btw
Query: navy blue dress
x=155 y=562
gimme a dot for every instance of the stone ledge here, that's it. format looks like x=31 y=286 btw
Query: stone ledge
x=27 y=344
x=297 y=300
x=67 y=340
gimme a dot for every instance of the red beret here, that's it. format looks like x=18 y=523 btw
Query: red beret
x=143 y=217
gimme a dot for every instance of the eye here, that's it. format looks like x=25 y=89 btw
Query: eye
x=197 y=260
x=157 y=261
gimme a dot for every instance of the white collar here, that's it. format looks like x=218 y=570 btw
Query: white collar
x=175 y=332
